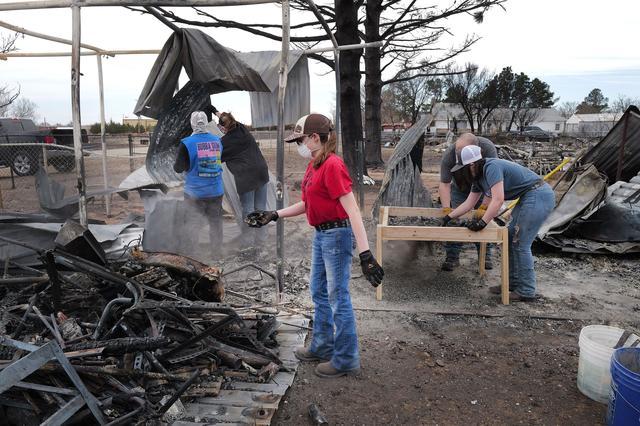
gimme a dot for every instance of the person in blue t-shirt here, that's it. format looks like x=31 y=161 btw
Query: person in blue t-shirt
x=500 y=180
x=199 y=156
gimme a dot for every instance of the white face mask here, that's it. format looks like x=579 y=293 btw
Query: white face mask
x=304 y=151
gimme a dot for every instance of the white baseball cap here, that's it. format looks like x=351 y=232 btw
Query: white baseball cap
x=469 y=154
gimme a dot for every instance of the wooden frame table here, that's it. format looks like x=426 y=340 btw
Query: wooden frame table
x=493 y=233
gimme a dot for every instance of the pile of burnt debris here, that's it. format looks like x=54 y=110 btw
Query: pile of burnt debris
x=87 y=340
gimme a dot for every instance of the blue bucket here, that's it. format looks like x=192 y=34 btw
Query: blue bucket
x=624 y=398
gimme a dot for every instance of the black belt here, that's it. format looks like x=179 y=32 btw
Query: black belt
x=341 y=223
x=533 y=187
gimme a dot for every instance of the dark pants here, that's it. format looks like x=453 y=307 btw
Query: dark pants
x=453 y=249
x=252 y=201
x=209 y=209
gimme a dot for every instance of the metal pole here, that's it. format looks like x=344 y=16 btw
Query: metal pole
x=52 y=4
x=336 y=55
x=280 y=188
x=131 y=162
x=75 y=106
x=103 y=141
x=360 y=168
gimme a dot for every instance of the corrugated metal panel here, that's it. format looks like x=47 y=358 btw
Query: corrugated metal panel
x=606 y=153
x=264 y=106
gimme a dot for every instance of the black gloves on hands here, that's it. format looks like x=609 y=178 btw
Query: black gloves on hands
x=446 y=220
x=370 y=268
x=260 y=218
x=476 y=225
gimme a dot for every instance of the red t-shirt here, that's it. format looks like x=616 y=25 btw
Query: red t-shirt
x=322 y=189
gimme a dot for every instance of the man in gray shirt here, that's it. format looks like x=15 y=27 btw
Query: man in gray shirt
x=453 y=193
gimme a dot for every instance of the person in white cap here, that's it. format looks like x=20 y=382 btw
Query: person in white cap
x=199 y=156
x=331 y=208
x=500 y=180
x=454 y=189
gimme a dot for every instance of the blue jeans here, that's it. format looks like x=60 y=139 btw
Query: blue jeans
x=453 y=249
x=334 y=323
x=252 y=201
x=527 y=218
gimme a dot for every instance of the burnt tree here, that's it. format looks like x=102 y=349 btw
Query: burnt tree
x=350 y=112
x=373 y=84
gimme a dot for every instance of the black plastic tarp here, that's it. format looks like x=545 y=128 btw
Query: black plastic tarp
x=220 y=69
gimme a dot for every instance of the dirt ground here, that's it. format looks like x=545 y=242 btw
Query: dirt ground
x=439 y=349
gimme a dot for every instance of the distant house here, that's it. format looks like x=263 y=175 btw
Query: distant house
x=451 y=117
x=392 y=127
x=146 y=123
x=448 y=117
x=549 y=119
x=591 y=124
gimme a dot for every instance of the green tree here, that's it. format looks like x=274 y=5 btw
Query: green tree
x=593 y=103
x=113 y=128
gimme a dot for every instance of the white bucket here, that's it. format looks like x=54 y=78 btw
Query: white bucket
x=596 y=347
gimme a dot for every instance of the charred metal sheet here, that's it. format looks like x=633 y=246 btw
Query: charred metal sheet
x=209 y=285
x=617 y=155
x=76 y=239
x=173 y=125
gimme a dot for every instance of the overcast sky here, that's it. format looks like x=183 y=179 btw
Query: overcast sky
x=574 y=45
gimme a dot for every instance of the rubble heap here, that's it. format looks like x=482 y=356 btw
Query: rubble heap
x=120 y=342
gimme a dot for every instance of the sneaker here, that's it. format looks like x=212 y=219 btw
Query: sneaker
x=305 y=355
x=328 y=371
x=450 y=264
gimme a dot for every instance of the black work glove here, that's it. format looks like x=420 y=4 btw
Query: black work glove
x=476 y=225
x=210 y=109
x=370 y=268
x=445 y=220
x=260 y=218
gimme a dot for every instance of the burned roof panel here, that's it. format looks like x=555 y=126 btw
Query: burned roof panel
x=619 y=149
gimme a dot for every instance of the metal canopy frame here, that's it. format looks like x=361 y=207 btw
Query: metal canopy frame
x=76 y=6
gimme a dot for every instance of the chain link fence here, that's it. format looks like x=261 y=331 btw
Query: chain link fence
x=20 y=163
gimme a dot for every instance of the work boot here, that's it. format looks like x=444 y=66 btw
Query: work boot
x=305 y=355
x=450 y=264
x=328 y=371
x=515 y=297
x=497 y=289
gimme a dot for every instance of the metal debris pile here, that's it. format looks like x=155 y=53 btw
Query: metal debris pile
x=541 y=157
x=121 y=341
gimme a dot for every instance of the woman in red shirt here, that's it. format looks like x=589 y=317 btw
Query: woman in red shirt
x=331 y=208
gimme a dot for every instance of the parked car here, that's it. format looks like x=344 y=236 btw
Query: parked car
x=64 y=135
x=535 y=133
x=18 y=149
x=531 y=133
